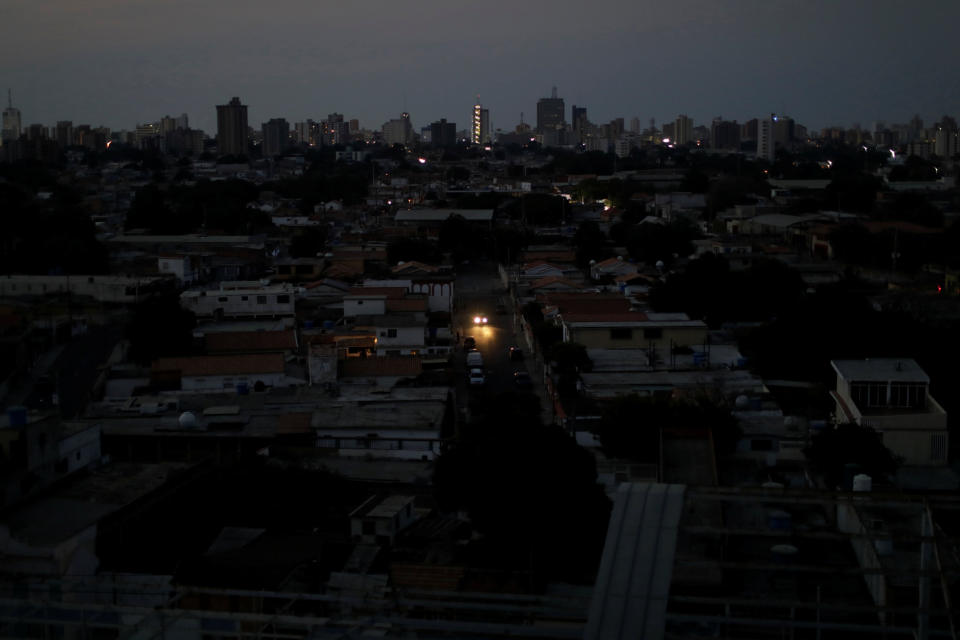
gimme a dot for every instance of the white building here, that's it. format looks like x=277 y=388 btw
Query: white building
x=178 y=266
x=765 y=145
x=116 y=289
x=892 y=396
x=241 y=299
x=378 y=520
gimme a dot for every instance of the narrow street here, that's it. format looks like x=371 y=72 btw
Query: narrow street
x=479 y=291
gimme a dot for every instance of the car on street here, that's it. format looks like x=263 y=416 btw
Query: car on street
x=474 y=359
x=480 y=320
x=522 y=380
x=515 y=354
x=469 y=343
x=476 y=377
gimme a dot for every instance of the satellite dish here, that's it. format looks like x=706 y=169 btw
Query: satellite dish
x=187 y=420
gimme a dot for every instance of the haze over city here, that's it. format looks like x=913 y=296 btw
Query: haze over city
x=118 y=63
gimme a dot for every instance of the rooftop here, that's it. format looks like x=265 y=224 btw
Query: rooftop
x=880 y=370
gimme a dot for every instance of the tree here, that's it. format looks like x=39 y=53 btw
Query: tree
x=832 y=450
x=308 y=243
x=160 y=327
x=630 y=425
x=530 y=490
x=570 y=357
x=589 y=242
x=413 y=249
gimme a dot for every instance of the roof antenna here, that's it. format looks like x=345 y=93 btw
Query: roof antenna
x=9 y=98
x=553 y=94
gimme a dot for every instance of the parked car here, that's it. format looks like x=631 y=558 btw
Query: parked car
x=469 y=343
x=475 y=377
x=474 y=359
x=515 y=354
x=522 y=380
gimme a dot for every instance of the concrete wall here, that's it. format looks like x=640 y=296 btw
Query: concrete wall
x=599 y=337
x=230 y=382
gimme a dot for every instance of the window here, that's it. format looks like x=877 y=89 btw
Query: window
x=304 y=269
x=359 y=301
x=283 y=299
x=369 y=528
x=391 y=333
x=261 y=299
x=285 y=269
x=938 y=447
x=621 y=334
x=222 y=299
x=652 y=334
x=244 y=298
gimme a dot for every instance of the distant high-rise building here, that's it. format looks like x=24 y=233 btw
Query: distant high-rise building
x=443 y=133
x=724 y=134
x=578 y=117
x=398 y=130
x=480 y=134
x=550 y=113
x=783 y=130
x=11 y=121
x=276 y=137
x=635 y=125
x=683 y=129
x=167 y=125
x=765 y=143
x=336 y=130
x=353 y=126
x=182 y=122
x=64 y=133
x=232 y=128
x=946 y=143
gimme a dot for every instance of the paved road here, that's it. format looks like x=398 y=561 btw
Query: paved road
x=479 y=290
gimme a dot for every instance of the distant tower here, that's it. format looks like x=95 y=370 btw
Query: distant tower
x=11 y=121
x=682 y=129
x=481 y=124
x=550 y=113
x=765 y=144
x=276 y=137
x=232 y=128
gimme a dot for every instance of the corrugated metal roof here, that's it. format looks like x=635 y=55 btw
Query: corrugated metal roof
x=630 y=595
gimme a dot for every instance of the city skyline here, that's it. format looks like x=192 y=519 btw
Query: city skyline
x=118 y=64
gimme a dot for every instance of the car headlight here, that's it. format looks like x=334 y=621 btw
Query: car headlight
x=476 y=320
x=484 y=319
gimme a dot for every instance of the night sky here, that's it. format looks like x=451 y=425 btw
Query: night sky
x=824 y=62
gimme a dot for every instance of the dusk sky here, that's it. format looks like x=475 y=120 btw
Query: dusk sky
x=824 y=62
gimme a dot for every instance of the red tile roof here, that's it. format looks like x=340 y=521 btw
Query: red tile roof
x=550 y=280
x=408 y=304
x=250 y=341
x=222 y=365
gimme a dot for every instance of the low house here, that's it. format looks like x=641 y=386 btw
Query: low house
x=227 y=342
x=216 y=373
x=611 y=268
x=241 y=300
x=892 y=396
x=396 y=334
x=379 y=519
x=632 y=330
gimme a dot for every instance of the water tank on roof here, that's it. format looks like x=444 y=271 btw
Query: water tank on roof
x=862 y=482
x=187 y=420
x=742 y=402
x=308 y=324
x=328 y=324
x=243 y=389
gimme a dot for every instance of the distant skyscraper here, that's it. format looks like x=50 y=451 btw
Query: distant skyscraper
x=336 y=130
x=635 y=125
x=550 y=113
x=11 y=121
x=276 y=137
x=232 y=128
x=398 y=130
x=443 y=133
x=682 y=129
x=724 y=134
x=765 y=143
x=480 y=133
x=64 y=133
